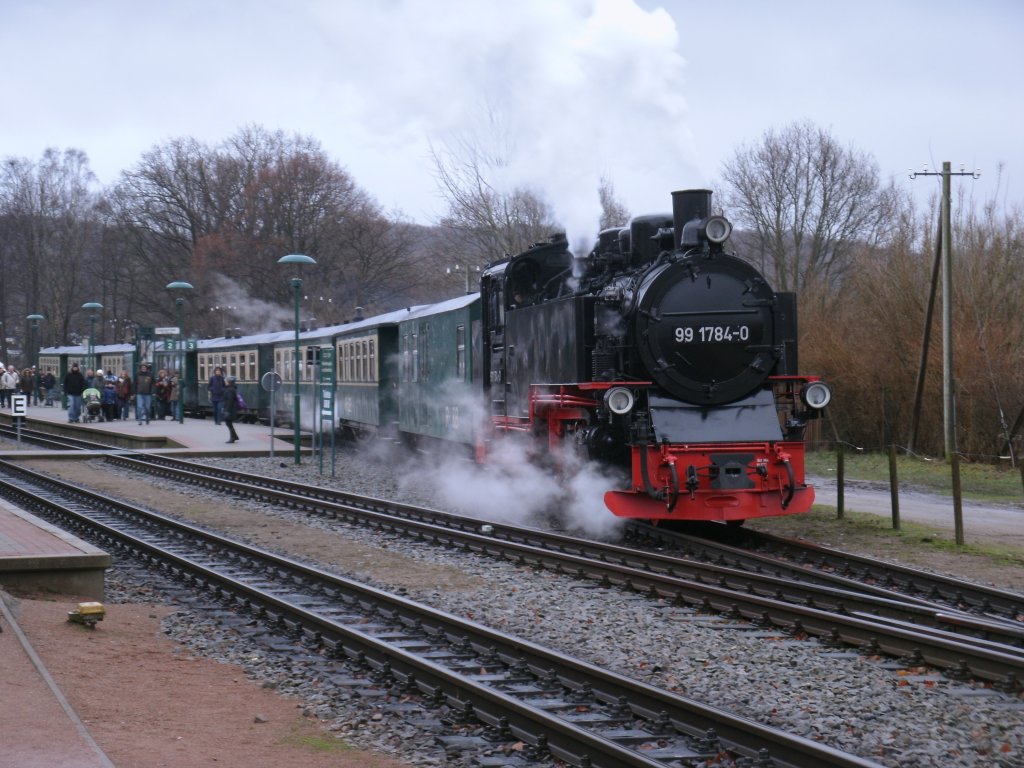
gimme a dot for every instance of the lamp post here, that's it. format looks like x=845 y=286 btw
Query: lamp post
x=179 y=286
x=34 y=354
x=298 y=260
x=92 y=306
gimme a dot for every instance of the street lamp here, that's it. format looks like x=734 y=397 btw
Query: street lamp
x=223 y=317
x=34 y=354
x=298 y=260
x=466 y=269
x=179 y=286
x=92 y=306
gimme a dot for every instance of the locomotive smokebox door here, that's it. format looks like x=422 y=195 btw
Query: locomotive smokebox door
x=704 y=329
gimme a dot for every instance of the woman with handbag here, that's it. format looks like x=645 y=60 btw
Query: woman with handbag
x=230 y=403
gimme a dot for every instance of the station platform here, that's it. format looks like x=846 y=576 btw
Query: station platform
x=38 y=556
x=42 y=730
x=34 y=554
x=192 y=436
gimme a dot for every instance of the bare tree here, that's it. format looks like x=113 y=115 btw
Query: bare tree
x=48 y=252
x=809 y=201
x=489 y=223
x=613 y=211
x=237 y=208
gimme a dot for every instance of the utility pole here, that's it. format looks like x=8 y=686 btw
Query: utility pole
x=946 y=229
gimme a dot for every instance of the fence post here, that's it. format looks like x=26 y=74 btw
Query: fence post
x=840 y=481
x=894 y=488
x=958 y=509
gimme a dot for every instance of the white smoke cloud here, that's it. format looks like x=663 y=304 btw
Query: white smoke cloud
x=241 y=310
x=521 y=482
x=580 y=90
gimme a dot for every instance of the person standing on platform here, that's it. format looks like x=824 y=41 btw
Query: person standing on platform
x=8 y=385
x=230 y=401
x=49 y=381
x=161 y=394
x=175 y=392
x=123 y=387
x=215 y=386
x=74 y=386
x=27 y=384
x=143 y=393
x=108 y=401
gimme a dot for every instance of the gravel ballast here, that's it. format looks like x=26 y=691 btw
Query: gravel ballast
x=870 y=707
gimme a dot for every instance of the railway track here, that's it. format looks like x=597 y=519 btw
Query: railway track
x=836 y=610
x=758 y=551
x=52 y=441
x=558 y=707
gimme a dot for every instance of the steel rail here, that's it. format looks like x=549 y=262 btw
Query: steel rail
x=564 y=740
x=999 y=663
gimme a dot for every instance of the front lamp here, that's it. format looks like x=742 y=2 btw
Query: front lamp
x=816 y=395
x=619 y=400
x=717 y=229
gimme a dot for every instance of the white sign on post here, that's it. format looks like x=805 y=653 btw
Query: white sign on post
x=171 y=330
x=19 y=405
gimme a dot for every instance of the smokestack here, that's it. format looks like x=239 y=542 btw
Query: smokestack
x=687 y=205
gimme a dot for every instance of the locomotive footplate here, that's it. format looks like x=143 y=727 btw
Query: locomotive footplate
x=713 y=482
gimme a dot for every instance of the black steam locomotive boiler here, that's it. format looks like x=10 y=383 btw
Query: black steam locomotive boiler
x=660 y=354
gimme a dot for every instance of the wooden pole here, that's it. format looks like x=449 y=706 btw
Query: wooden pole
x=958 y=509
x=894 y=493
x=915 y=416
x=840 y=481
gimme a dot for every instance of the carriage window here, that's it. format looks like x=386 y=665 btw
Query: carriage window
x=460 y=352
x=373 y=360
x=404 y=359
x=425 y=360
x=254 y=374
x=312 y=362
x=414 y=367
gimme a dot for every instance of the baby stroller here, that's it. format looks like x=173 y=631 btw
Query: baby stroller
x=92 y=404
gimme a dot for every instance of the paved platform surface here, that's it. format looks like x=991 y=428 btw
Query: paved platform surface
x=40 y=729
x=34 y=553
x=189 y=436
x=39 y=556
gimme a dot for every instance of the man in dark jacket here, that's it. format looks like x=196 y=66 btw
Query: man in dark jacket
x=143 y=393
x=49 y=381
x=231 y=408
x=74 y=386
x=216 y=386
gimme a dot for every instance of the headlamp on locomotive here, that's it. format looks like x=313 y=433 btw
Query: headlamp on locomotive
x=665 y=356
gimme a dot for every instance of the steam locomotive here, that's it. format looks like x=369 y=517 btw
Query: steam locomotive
x=658 y=355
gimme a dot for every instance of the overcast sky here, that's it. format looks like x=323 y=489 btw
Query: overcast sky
x=652 y=95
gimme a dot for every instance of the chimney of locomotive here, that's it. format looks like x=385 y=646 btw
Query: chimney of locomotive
x=687 y=205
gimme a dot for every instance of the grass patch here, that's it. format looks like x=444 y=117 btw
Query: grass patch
x=981 y=482
x=306 y=736
x=858 y=531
